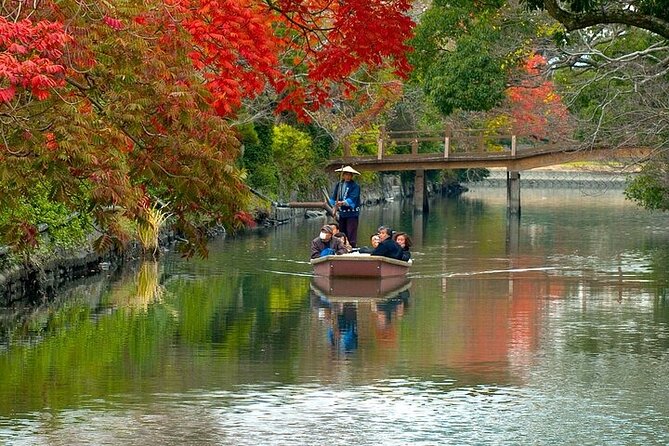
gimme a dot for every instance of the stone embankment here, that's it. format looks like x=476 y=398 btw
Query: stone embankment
x=562 y=178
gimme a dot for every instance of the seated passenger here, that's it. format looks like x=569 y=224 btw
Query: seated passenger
x=375 y=240
x=325 y=244
x=341 y=236
x=403 y=239
x=387 y=247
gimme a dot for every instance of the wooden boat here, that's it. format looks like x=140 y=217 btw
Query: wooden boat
x=356 y=289
x=359 y=265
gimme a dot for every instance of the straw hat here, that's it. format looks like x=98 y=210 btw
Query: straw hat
x=348 y=169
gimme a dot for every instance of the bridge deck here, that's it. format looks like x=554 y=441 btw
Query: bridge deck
x=522 y=159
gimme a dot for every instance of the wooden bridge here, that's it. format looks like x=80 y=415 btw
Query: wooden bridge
x=468 y=149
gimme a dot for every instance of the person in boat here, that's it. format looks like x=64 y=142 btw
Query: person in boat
x=403 y=239
x=344 y=240
x=325 y=244
x=387 y=246
x=337 y=233
x=345 y=199
x=374 y=242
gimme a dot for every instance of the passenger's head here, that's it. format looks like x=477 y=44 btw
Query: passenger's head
x=375 y=240
x=402 y=239
x=384 y=232
x=342 y=236
x=326 y=233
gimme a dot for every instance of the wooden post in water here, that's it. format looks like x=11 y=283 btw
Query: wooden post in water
x=420 y=203
x=513 y=192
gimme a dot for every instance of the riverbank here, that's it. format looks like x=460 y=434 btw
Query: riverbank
x=40 y=277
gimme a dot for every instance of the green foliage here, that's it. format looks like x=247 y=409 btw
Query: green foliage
x=470 y=79
x=65 y=228
x=321 y=141
x=454 y=59
x=647 y=190
x=294 y=158
x=364 y=142
x=257 y=158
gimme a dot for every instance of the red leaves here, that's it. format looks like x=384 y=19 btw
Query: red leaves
x=149 y=83
x=535 y=107
x=235 y=45
x=6 y=94
x=244 y=219
x=240 y=45
x=30 y=57
x=51 y=143
x=113 y=23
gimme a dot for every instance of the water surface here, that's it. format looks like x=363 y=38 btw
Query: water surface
x=548 y=329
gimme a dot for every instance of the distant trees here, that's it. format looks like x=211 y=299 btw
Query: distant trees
x=483 y=57
x=614 y=64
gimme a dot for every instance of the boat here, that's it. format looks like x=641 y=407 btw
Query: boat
x=359 y=265
x=358 y=289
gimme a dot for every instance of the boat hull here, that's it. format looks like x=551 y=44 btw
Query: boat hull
x=351 y=265
x=356 y=289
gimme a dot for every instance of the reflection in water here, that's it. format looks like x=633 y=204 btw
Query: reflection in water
x=141 y=292
x=547 y=330
x=339 y=300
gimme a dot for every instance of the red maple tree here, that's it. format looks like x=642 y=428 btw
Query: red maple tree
x=30 y=57
x=143 y=91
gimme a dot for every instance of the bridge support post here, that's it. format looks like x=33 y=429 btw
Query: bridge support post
x=420 y=203
x=513 y=192
x=380 y=142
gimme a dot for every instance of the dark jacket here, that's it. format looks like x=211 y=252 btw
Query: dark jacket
x=318 y=245
x=347 y=191
x=388 y=248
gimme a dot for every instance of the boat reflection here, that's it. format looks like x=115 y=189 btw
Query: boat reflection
x=340 y=302
x=351 y=289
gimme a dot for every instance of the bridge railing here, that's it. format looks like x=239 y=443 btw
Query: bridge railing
x=449 y=141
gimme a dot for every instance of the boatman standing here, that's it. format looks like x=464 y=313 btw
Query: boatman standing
x=345 y=199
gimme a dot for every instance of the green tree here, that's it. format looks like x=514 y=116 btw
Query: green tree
x=464 y=53
x=257 y=155
x=294 y=158
x=613 y=67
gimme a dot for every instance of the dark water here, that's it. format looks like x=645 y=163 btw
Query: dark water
x=548 y=330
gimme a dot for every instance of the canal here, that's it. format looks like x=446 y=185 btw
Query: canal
x=548 y=330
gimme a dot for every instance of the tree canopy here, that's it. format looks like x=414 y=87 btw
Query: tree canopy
x=116 y=105
x=651 y=15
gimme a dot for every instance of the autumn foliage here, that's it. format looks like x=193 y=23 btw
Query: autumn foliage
x=31 y=57
x=116 y=105
x=535 y=109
